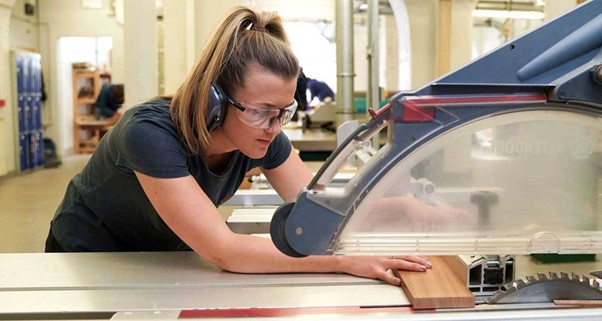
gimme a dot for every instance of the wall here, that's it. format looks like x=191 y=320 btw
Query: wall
x=395 y=64
x=188 y=24
x=7 y=153
x=62 y=18
x=461 y=33
x=208 y=14
x=24 y=29
x=422 y=14
x=178 y=43
x=141 y=51
x=556 y=8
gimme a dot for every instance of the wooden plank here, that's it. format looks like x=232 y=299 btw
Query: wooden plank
x=458 y=267
x=437 y=288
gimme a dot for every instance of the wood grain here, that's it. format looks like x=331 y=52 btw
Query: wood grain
x=437 y=288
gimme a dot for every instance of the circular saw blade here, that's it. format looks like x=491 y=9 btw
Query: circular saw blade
x=546 y=288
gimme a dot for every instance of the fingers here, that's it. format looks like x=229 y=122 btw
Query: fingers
x=419 y=259
x=409 y=266
x=379 y=267
x=407 y=263
x=412 y=262
x=401 y=265
x=390 y=278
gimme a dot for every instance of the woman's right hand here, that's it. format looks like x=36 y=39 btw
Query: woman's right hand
x=378 y=267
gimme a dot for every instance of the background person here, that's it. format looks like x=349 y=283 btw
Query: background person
x=319 y=90
x=109 y=100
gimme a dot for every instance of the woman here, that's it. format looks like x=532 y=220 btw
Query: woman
x=156 y=179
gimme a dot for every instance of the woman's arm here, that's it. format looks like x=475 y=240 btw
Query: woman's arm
x=290 y=177
x=186 y=209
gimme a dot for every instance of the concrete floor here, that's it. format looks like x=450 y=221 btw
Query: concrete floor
x=28 y=202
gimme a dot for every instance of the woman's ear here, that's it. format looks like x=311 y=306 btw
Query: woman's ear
x=217 y=106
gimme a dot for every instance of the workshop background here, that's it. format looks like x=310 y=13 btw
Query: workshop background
x=149 y=46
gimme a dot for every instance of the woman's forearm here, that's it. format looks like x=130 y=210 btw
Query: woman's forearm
x=252 y=254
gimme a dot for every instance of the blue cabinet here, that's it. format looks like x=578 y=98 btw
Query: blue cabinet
x=27 y=83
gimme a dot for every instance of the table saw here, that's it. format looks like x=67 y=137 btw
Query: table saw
x=503 y=156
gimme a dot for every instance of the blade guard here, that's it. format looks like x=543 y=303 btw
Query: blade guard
x=549 y=69
x=300 y=237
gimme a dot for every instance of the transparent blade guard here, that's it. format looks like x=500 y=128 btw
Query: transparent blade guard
x=523 y=179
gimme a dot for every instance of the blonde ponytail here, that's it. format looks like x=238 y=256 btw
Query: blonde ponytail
x=245 y=37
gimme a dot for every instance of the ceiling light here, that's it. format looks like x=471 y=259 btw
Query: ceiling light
x=507 y=14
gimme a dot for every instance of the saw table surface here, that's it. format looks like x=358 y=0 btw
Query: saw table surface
x=112 y=282
x=172 y=285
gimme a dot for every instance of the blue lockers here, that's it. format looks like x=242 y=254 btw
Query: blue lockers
x=28 y=84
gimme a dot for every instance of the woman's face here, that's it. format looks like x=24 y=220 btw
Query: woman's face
x=262 y=90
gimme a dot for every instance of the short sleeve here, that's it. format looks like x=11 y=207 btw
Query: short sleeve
x=152 y=147
x=278 y=152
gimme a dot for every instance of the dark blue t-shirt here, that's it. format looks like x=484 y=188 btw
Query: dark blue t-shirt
x=105 y=208
x=319 y=89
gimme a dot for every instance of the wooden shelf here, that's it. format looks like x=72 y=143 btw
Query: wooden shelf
x=87 y=129
x=87 y=100
x=91 y=120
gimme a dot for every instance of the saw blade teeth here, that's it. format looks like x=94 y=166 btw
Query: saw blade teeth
x=519 y=284
x=543 y=287
x=506 y=287
x=511 y=286
x=493 y=296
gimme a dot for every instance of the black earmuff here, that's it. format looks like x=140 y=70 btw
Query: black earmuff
x=216 y=108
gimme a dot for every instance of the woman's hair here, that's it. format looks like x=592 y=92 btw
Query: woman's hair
x=246 y=37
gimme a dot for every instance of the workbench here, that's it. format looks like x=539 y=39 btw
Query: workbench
x=311 y=140
x=101 y=284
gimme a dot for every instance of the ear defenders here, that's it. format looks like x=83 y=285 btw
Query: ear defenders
x=216 y=107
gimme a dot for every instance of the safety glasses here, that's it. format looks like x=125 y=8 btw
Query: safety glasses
x=263 y=118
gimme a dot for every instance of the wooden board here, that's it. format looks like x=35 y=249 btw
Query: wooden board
x=438 y=287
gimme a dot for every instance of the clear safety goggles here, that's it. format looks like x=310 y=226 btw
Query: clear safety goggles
x=263 y=118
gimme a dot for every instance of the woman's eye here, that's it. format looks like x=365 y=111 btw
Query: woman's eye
x=257 y=112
